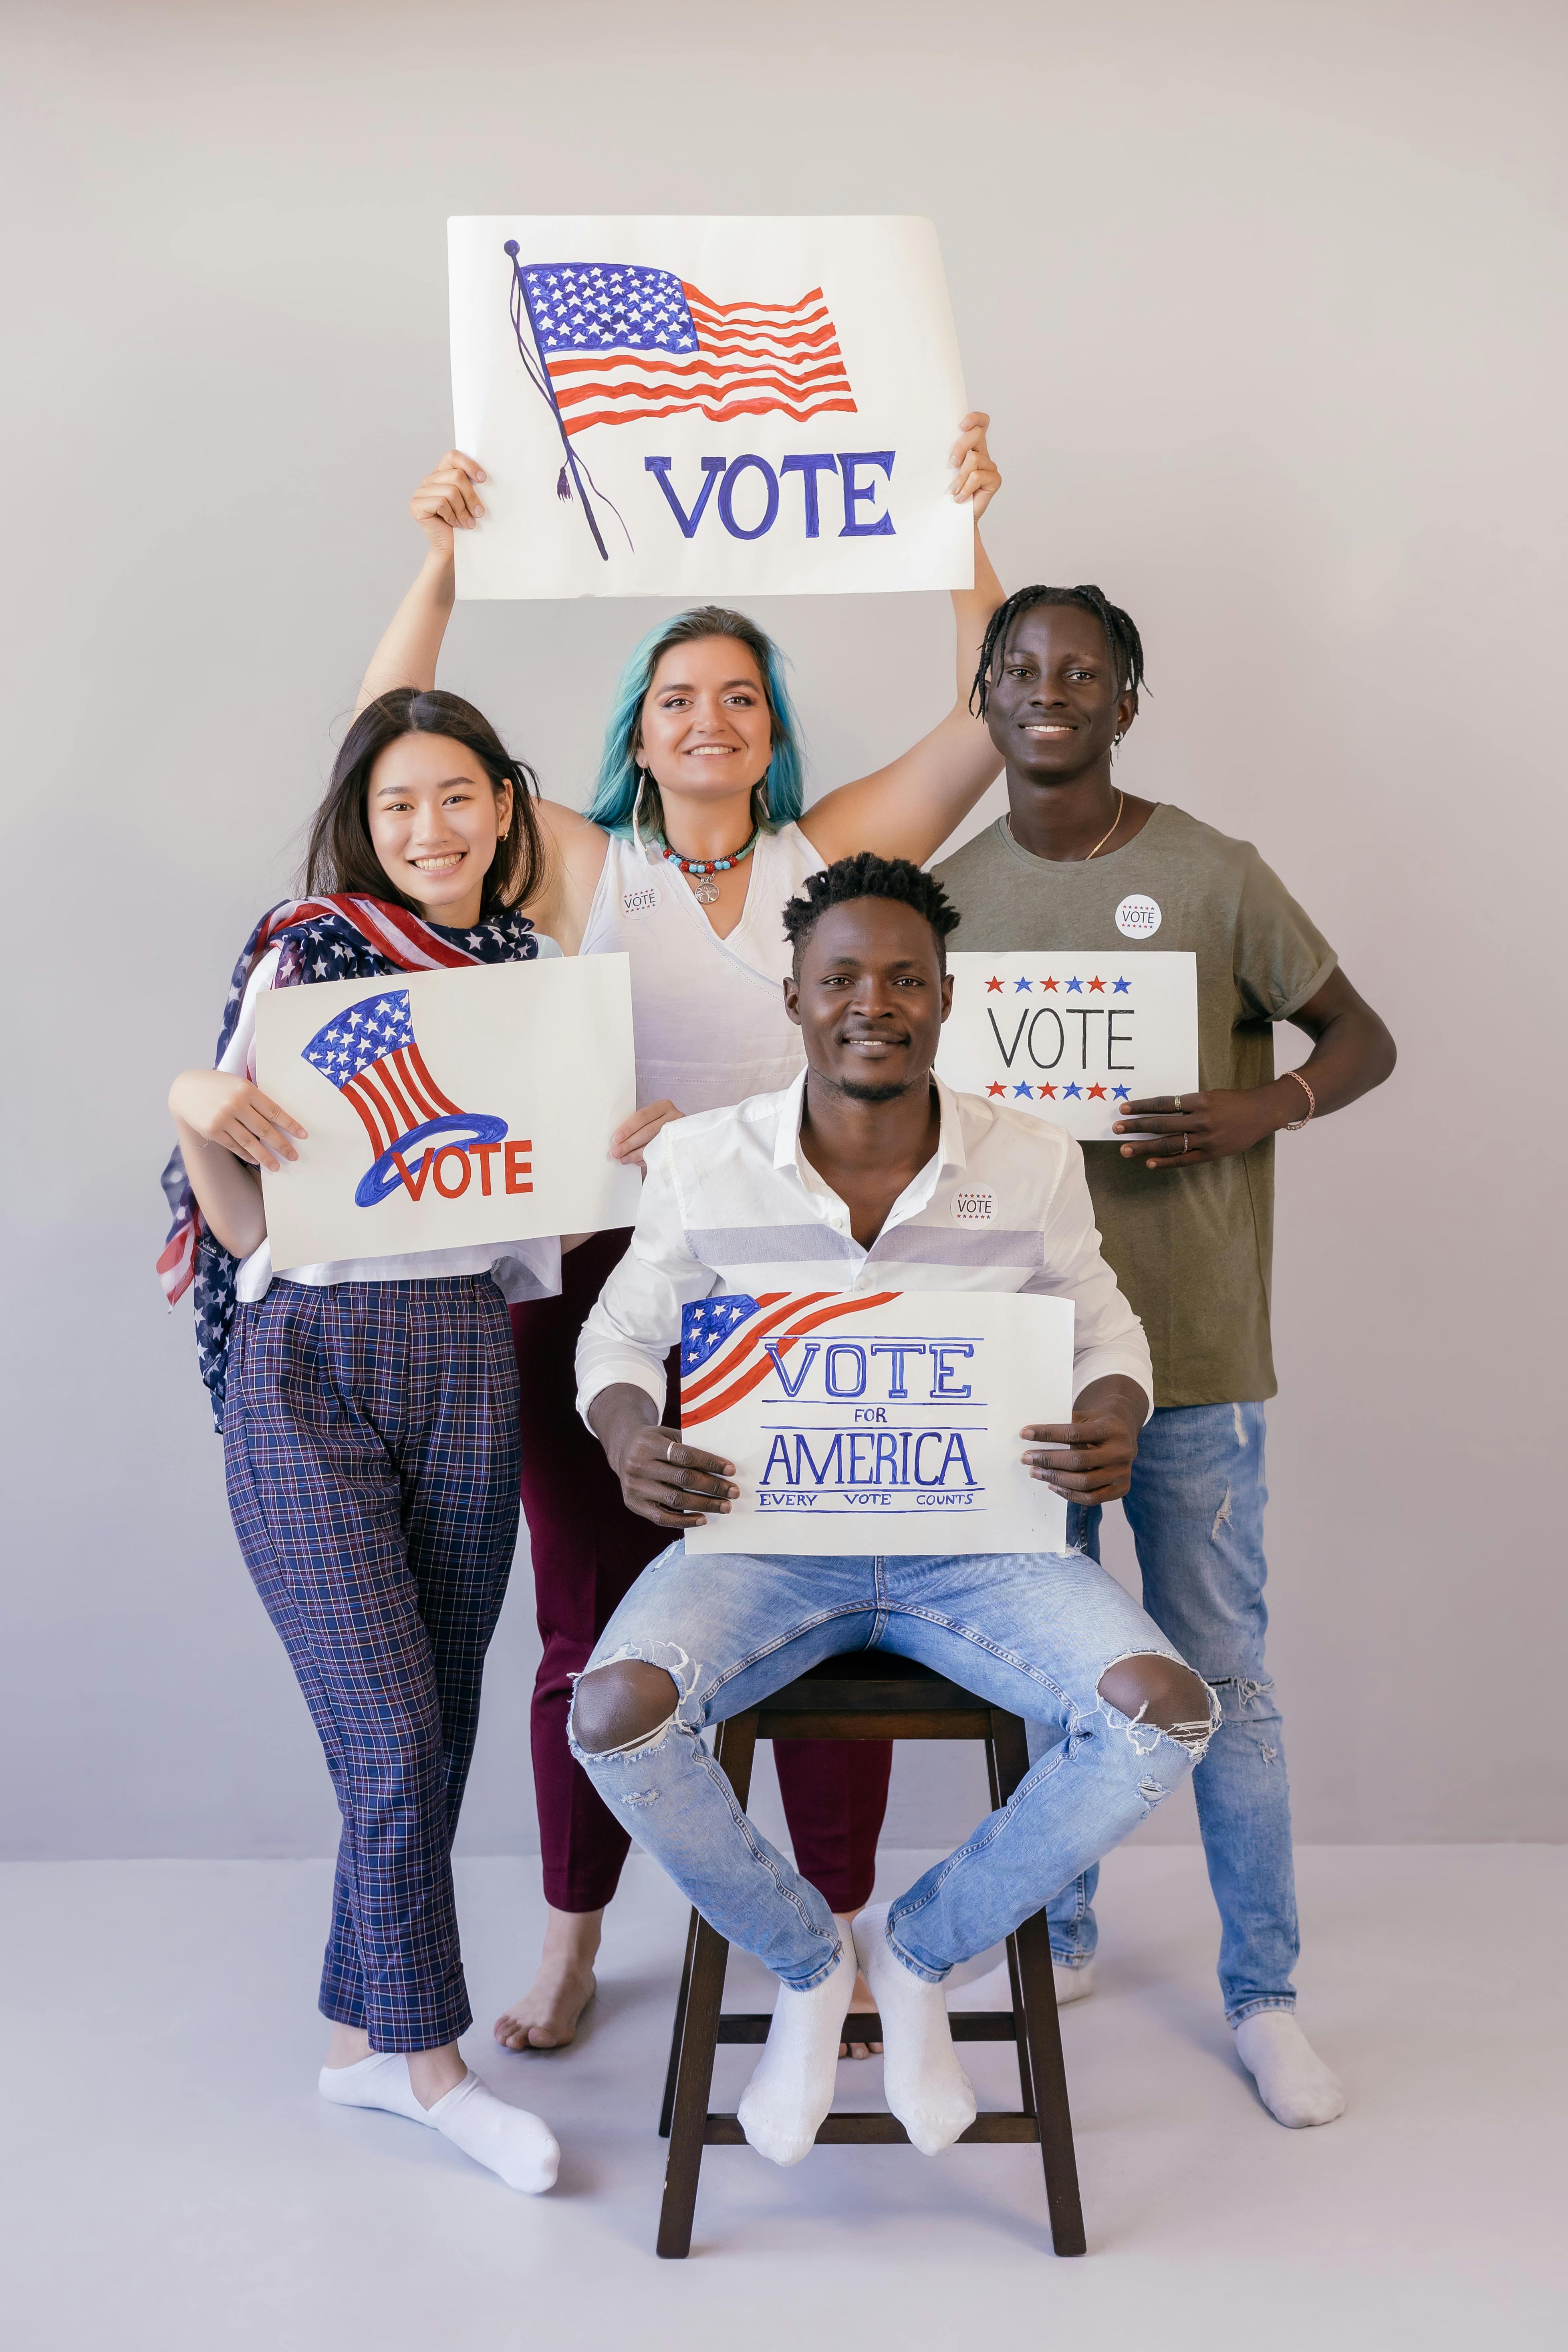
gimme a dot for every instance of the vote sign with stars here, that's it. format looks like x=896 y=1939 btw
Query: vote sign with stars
x=1073 y=1036
x=448 y=1109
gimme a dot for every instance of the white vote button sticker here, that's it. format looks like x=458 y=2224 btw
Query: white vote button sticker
x=641 y=899
x=1137 y=917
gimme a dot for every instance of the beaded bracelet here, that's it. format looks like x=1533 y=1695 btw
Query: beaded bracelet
x=1294 y=1126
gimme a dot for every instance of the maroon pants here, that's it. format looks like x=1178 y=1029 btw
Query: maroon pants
x=588 y=1553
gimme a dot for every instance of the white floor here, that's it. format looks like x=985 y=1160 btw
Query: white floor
x=170 y=2180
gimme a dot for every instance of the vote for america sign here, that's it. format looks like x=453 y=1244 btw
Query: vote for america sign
x=693 y=407
x=879 y=1421
x=1073 y=1036
x=448 y=1108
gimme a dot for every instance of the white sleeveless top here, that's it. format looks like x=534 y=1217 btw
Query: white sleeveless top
x=708 y=1014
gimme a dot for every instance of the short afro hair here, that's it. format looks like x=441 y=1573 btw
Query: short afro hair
x=867 y=875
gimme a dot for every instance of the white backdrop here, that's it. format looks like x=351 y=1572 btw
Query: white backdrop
x=1262 y=301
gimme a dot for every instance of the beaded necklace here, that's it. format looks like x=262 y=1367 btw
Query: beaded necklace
x=707 y=890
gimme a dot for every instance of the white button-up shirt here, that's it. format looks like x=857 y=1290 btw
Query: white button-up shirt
x=732 y=1204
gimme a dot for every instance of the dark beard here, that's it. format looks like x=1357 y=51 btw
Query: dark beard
x=856 y=1093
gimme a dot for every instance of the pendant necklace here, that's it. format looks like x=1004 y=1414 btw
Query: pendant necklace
x=707 y=891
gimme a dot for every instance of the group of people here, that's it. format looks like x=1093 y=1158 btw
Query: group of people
x=383 y=1418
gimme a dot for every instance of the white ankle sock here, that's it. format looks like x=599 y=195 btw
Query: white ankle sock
x=927 y=2088
x=379 y=2081
x=508 y=2140
x=1072 y=1984
x=1293 y=2081
x=792 y=2090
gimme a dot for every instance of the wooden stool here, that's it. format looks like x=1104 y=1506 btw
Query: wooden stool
x=872 y=1695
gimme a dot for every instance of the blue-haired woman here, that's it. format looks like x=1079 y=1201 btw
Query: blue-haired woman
x=695 y=836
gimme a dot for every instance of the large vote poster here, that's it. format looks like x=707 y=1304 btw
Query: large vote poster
x=876 y=1420
x=701 y=407
x=1073 y=1036
x=444 y=1108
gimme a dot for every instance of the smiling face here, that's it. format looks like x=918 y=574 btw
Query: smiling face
x=870 y=997
x=1054 y=706
x=435 y=819
x=704 y=729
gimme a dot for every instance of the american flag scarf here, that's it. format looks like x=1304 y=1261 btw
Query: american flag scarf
x=339 y=938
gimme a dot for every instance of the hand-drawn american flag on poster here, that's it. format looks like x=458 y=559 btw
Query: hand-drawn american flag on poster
x=715 y=1375
x=619 y=341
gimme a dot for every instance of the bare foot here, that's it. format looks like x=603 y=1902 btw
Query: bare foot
x=547 y=2016
x=859 y=1999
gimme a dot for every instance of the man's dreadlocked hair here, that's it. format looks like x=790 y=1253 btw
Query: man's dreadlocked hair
x=868 y=875
x=1122 y=641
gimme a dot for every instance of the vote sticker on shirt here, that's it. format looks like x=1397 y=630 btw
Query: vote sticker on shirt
x=973 y=1208
x=1138 y=918
x=642 y=899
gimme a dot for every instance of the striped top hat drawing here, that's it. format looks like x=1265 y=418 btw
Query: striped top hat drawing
x=370 y=1055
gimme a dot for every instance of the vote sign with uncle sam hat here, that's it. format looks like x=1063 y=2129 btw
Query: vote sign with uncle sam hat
x=367 y=1050
x=396 y=1161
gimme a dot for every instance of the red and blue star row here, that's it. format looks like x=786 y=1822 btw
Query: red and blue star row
x=1095 y=987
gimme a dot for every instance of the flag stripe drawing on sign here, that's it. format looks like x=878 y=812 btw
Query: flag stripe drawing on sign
x=760 y=1352
x=897 y=1408
x=381 y=1072
x=622 y=342
x=329 y=935
x=420 y=1098
x=701 y=405
x=370 y=1055
x=605 y=337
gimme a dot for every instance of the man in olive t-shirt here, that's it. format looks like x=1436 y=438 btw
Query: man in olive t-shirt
x=1186 y=1215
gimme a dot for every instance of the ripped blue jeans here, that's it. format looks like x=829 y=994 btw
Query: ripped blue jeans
x=1196 y=1514
x=1030 y=1631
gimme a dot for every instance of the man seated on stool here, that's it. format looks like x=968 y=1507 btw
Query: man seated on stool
x=847 y=1181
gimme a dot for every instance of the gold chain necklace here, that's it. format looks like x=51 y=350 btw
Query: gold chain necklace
x=1100 y=845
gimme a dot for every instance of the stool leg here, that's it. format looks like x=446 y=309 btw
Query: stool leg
x=733 y=1750
x=1042 y=2026
x=1050 y=2086
x=667 y=2109
x=693 y=2080
x=1014 y=1982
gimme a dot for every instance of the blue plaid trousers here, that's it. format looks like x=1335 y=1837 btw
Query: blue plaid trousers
x=371 y=1447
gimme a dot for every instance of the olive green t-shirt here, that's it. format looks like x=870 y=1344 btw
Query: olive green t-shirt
x=1191 y=1248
